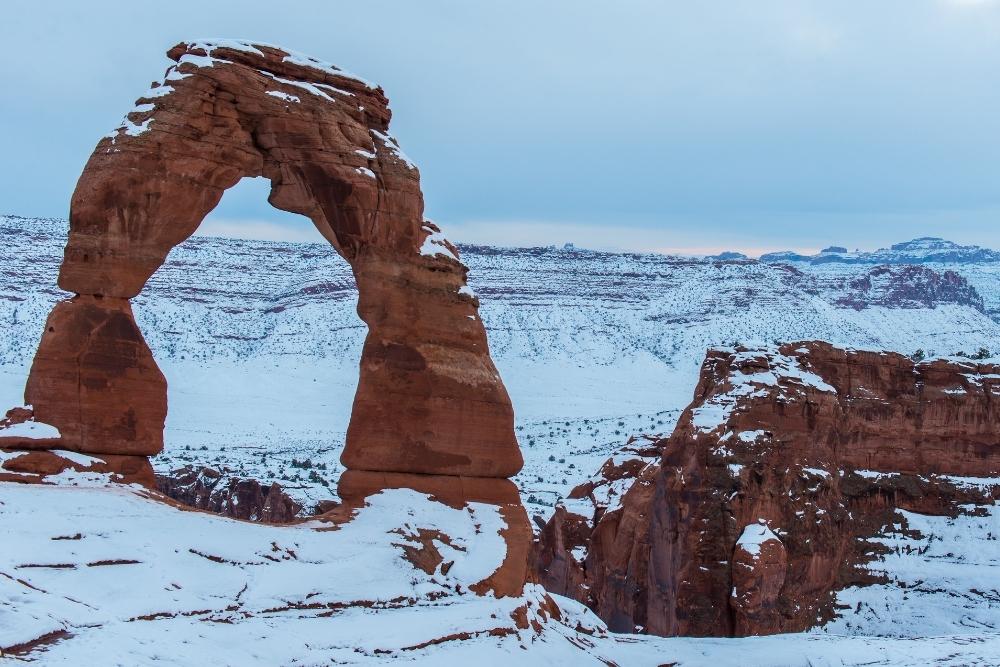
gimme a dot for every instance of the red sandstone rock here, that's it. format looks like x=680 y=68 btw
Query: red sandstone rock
x=429 y=398
x=776 y=436
x=430 y=412
x=759 y=564
x=239 y=498
x=35 y=466
x=94 y=378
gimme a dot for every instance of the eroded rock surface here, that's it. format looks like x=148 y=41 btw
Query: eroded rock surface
x=430 y=404
x=222 y=493
x=763 y=502
x=429 y=398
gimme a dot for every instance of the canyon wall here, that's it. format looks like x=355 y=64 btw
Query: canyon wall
x=763 y=502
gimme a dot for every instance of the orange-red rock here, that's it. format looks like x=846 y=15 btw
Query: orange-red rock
x=429 y=398
x=776 y=436
x=94 y=378
x=430 y=404
x=36 y=466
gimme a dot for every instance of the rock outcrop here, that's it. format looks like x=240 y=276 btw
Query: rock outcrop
x=762 y=503
x=429 y=402
x=222 y=493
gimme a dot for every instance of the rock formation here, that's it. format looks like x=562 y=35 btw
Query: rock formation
x=429 y=403
x=760 y=506
x=222 y=493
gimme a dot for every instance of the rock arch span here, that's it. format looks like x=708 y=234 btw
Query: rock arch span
x=430 y=407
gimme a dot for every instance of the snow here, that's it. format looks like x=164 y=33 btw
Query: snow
x=941 y=580
x=435 y=244
x=390 y=143
x=365 y=171
x=616 y=340
x=753 y=536
x=593 y=347
x=78 y=458
x=176 y=562
x=467 y=291
x=174 y=588
x=156 y=92
x=209 y=45
x=312 y=88
x=283 y=96
x=786 y=373
x=198 y=61
x=308 y=61
x=293 y=57
x=34 y=430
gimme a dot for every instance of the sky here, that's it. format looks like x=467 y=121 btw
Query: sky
x=670 y=126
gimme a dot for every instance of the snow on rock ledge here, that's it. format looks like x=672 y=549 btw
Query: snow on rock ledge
x=102 y=564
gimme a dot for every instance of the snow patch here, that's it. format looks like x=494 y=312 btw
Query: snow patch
x=32 y=430
x=753 y=536
x=435 y=244
x=389 y=142
x=283 y=96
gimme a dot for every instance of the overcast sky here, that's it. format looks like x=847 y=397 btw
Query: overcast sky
x=685 y=126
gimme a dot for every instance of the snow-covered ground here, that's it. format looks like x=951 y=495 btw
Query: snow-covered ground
x=105 y=576
x=260 y=342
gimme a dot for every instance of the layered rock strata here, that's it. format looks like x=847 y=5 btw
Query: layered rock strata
x=761 y=505
x=429 y=402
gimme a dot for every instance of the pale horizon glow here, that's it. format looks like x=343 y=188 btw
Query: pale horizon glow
x=528 y=235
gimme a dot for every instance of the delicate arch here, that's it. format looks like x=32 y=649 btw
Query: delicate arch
x=429 y=399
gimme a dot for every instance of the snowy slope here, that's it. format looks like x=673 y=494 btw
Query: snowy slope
x=97 y=575
x=259 y=340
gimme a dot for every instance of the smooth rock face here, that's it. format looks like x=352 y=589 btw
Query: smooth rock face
x=95 y=379
x=764 y=498
x=429 y=400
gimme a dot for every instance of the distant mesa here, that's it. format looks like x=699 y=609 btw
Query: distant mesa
x=784 y=256
x=728 y=256
x=927 y=243
x=925 y=250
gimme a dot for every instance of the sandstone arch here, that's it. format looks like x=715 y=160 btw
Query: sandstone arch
x=429 y=399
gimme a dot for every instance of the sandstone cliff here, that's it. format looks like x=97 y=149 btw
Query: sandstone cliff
x=763 y=502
